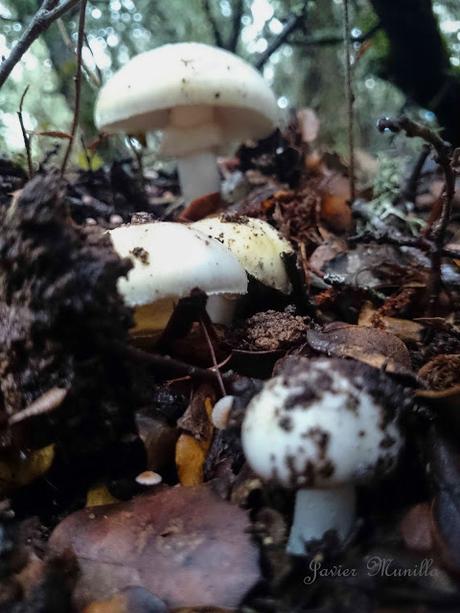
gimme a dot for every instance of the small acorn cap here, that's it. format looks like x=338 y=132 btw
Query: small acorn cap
x=169 y=261
x=256 y=244
x=317 y=426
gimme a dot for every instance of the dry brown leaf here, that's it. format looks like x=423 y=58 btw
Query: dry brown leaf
x=442 y=373
x=185 y=545
x=369 y=345
x=336 y=213
x=193 y=445
x=201 y=207
x=415 y=528
x=405 y=329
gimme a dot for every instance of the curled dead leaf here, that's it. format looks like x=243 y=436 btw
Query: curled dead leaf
x=375 y=347
x=185 y=545
x=405 y=329
x=201 y=207
x=192 y=446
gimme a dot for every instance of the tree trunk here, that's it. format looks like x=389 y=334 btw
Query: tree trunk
x=419 y=63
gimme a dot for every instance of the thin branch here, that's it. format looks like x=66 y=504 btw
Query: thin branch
x=25 y=136
x=445 y=158
x=236 y=26
x=324 y=41
x=164 y=364
x=204 y=327
x=45 y=16
x=76 y=114
x=349 y=98
x=293 y=22
x=218 y=39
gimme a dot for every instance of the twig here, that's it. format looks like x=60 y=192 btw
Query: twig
x=213 y=23
x=204 y=327
x=25 y=136
x=349 y=98
x=324 y=41
x=47 y=14
x=236 y=26
x=76 y=114
x=409 y=191
x=445 y=158
x=293 y=22
x=165 y=364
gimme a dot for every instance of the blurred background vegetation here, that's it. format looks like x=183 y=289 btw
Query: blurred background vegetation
x=307 y=70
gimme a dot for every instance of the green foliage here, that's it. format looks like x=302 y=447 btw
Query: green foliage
x=118 y=29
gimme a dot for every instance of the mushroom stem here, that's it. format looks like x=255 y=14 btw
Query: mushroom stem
x=318 y=510
x=221 y=308
x=198 y=174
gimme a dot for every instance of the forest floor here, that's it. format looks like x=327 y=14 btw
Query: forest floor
x=89 y=421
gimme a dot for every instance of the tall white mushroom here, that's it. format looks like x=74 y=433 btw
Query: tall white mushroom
x=317 y=428
x=169 y=261
x=202 y=98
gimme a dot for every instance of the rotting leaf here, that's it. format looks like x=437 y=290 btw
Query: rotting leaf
x=185 y=545
x=193 y=444
x=201 y=207
x=369 y=345
x=405 y=329
x=442 y=373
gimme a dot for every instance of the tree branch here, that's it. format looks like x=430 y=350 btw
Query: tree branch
x=293 y=22
x=48 y=13
x=325 y=41
x=236 y=25
x=76 y=114
x=218 y=39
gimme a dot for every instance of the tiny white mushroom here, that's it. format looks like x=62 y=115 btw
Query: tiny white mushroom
x=221 y=412
x=201 y=97
x=316 y=429
x=256 y=244
x=169 y=261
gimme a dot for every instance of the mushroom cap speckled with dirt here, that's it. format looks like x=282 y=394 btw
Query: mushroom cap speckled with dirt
x=256 y=244
x=317 y=428
x=169 y=261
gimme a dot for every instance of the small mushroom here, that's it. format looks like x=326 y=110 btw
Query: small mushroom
x=169 y=261
x=201 y=97
x=321 y=427
x=256 y=244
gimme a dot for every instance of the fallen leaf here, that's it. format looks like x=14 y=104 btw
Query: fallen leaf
x=185 y=545
x=193 y=445
x=98 y=496
x=369 y=345
x=442 y=373
x=336 y=213
x=201 y=207
x=415 y=528
x=405 y=329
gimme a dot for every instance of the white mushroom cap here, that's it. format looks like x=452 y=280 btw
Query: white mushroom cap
x=256 y=244
x=196 y=78
x=318 y=427
x=172 y=259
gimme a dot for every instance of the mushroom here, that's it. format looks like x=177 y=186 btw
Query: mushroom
x=201 y=97
x=256 y=244
x=320 y=427
x=169 y=261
